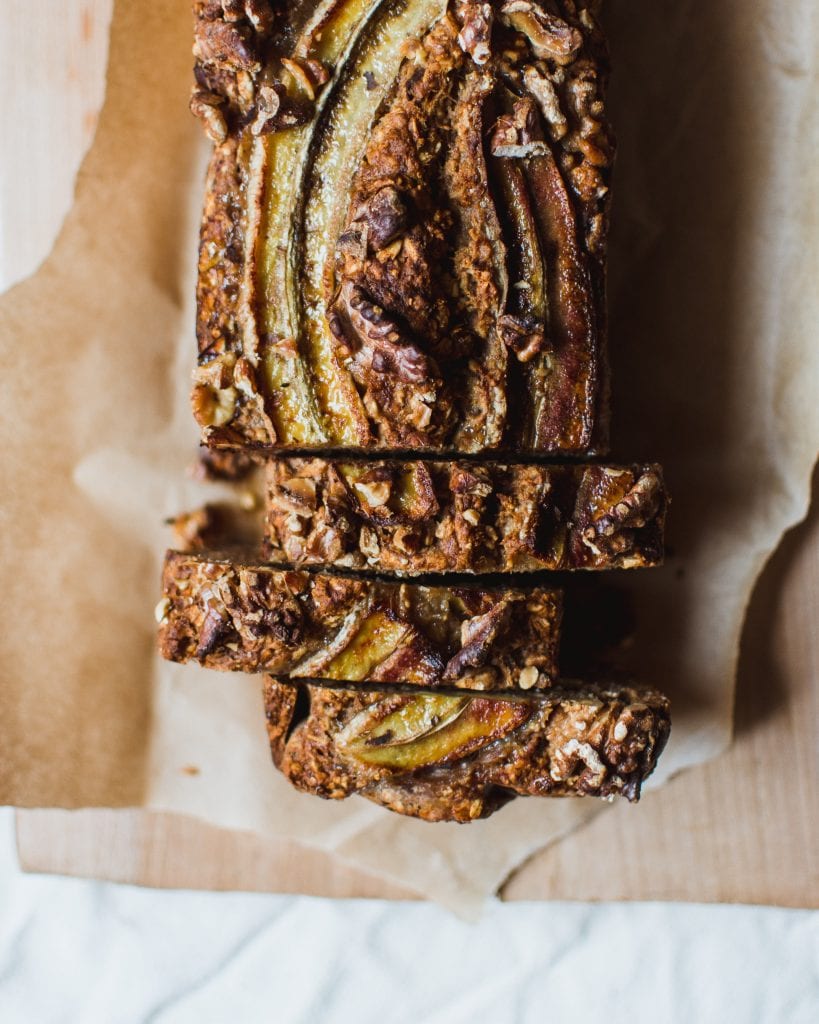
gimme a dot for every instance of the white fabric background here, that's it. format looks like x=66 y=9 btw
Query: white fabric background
x=80 y=952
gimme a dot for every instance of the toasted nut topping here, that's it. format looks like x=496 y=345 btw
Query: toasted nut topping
x=244 y=378
x=373 y=493
x=475 y=36
x=213 y=407
x=205 y=105
x=528 y=678
x=162 y=609
x=368 y=542
x=550 y=36
x=547 y=99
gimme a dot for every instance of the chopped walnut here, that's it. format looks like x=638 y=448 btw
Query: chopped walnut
x=476 y=30
x=213 y=407
x=551 y=37
x=227 y=45
x=223 y=464
x=545 y=93
x=383 y=215
x=515 y=134
x=206 y=106
x=478 y=634
x=197 y=530
x=309 y=75
x=213 y=398
x=525 y=336
x=373 y=493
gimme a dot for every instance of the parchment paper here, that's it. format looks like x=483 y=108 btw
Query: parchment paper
x=713 y=311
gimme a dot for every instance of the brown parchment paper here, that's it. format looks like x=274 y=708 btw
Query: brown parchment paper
x=714 y=307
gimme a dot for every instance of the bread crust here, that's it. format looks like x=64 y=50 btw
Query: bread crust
x=462 y=307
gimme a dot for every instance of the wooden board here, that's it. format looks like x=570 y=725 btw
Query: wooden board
x=744 y=828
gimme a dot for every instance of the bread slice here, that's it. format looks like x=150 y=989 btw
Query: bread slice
x=410 y=258
x=437 y=517
x=460 y=757
x=246 y=616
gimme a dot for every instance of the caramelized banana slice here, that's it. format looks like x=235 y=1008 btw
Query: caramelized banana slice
x=567 y=397
x=523 y=327
x=280 y=161
x=480 y=268
x=246 y=616
x=378 y=636
x=458 y=758
x=415 y=732
x=338 y=145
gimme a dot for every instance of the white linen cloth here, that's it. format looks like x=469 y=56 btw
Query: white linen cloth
x=85 y=952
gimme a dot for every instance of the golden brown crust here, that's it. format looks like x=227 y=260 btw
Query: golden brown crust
x=459 y=758
x=249 y=617
x=465 y=309
x=437 y=517
x=221 y=254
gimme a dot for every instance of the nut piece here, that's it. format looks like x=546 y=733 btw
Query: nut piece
x=223 y=464
x=213 y=407
x=525 y=336
x=528 y=678
x=373 y=493
x=545 y=94
x=227 y=45
x=206 y=106
x=551 y=37
x=384 y=215
x=213 y=398
x=162 y=609
x=515 y=134
x=475 y=36
x=201 y=528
